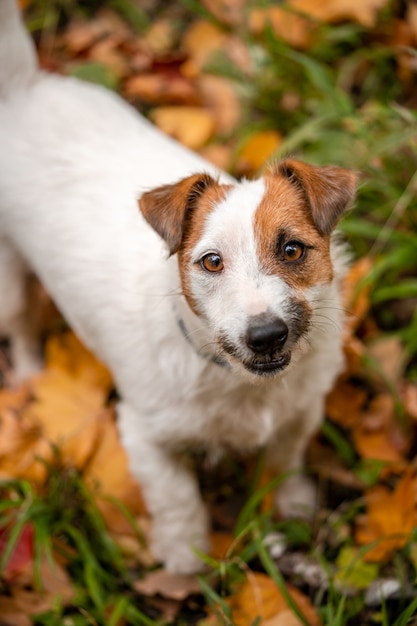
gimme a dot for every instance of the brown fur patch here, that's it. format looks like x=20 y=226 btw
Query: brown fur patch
x=281 y=217
x=193 y=232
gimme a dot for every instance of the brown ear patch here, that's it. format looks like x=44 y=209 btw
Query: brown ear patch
x=280 y=218
x=328 y=190
x=167 y=208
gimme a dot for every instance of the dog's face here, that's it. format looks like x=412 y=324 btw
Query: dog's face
x=252 y=256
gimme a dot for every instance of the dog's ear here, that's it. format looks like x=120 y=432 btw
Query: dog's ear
x=328 y=190
x=167 y=208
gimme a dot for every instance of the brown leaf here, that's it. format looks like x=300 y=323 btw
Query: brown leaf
x=219 y=155
x=200 y=42
x=329 y=11
x=192 y=126
x=12 y=614
x=388 y=352
x=161 y=89
x=378 y=435
x=173 y=586
x=230 y=12
x=391 y=517
x=220 y=98
x=345 y=403
x=409 y=395
x=160 y=37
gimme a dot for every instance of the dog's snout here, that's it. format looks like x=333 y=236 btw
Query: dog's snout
x=264 y=337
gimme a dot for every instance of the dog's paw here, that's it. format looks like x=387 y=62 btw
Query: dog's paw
x=175 y=542
x=296 y=497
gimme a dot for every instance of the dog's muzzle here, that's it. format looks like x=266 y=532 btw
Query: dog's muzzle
x=266 y=337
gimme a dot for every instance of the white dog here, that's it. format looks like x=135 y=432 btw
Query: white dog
x=230 y=341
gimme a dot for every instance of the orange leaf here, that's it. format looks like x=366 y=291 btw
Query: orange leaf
x=364 y=12
x=378 y=435
x=161 y=89
x=391 y=517
x=66 y=352
x=258 y=149
x=192 y=126
x=259 y=597
x=356 y=296
x=293 y=28
x=345 y=403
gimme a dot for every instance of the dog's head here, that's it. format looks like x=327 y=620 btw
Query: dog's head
x=251 y=255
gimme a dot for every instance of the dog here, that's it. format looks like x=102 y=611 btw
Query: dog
x=216 y=304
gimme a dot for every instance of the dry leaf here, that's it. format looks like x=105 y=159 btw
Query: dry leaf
x=109 y=472
x=173 y=586
x=292 y=28
x=220 y=544
x=200 y=42
x=220 y=98
x=345 y=403
x=67 y=353
x=259 y=597
x=390 y=518
x=160 y=37
x=378 y=435
x=12 y=614
x=409 y=396
x=192 y=126
x=219 y=155
x=389 y=354
x=257 y=150
x=161 y=88
x=355 y=294
x=230 y=12
x=329 y=11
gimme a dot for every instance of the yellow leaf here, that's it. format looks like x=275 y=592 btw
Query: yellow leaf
x=66 y=352
x=192 y=126
x=200 y=42
x=258 y=149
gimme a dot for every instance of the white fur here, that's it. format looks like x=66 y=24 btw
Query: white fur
x=74 y=158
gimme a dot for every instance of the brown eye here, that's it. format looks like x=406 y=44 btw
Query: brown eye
x=293 y=251
x=212 y=262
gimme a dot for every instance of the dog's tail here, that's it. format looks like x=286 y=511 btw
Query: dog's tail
x=18 y=59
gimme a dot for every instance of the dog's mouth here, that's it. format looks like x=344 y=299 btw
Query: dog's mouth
x=260 y=365
x=268 y=366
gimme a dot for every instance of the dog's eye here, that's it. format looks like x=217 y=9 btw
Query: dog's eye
x=212 y=262
x=293 y=251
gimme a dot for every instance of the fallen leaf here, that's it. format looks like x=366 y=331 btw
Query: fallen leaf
x=257 y=149
x=356 y=292
x=21 y=557
x=172 y=586
x=378 y=434
x=159 y=88
x=388 y=352
x=66 y=352
x=108 y=475
x=259 y=597
x=292 y=28
x=219 y=155
x=229 y=12
x=329 y=11
x=220 y=544
x=409 y=396
x=192 y=126
x=353 y=572
x=200 y=42
x=220 y=98
x=12 y=614
x=390 y=518
x=160 y=37
x=345 y=403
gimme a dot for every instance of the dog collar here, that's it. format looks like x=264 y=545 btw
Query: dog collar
x=217 y=360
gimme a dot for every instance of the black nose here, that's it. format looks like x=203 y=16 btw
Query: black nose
x=267 y=336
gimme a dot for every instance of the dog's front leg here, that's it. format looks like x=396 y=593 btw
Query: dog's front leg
x=179 y=517
x=296 y=496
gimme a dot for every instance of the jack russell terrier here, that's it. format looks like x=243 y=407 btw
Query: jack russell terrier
x=216 y=304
